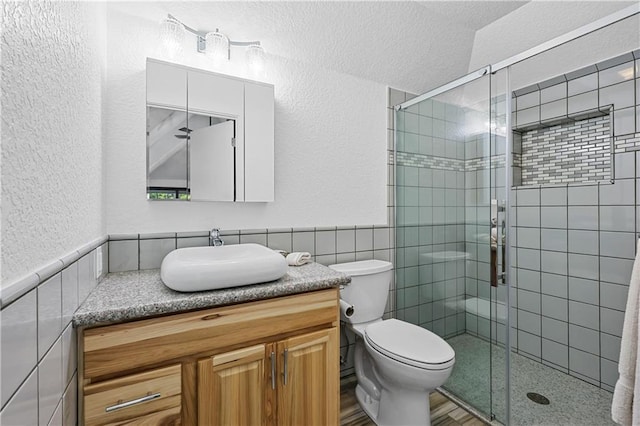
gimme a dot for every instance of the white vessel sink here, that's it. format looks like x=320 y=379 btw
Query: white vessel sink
x=212 y=268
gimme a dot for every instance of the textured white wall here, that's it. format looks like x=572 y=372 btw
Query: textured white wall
x=52 y=63
x=330 y=142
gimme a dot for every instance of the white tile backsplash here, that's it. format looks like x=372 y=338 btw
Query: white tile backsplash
x=280 y=241
x=304 y=241
x=153 y=251
x=346 y=241
x=49 y=383
x=33 y=387
x=22 y=409
x=69 y=353
x=325 y=242
x=19 y=337
x=123 y=255
x=86 y=275
x=70 y=403
x=49 y=313
x=56 y=419
x=70 y=298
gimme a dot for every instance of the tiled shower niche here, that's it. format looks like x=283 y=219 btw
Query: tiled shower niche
x=564 y=128
x=571 y=152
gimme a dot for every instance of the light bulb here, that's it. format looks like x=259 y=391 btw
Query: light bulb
x=256 y=59
x=217 y=46
x=172 y=36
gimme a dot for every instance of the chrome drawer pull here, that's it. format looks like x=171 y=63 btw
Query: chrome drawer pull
x=127 y=404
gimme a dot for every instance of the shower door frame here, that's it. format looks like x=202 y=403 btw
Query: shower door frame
x=492 y=70
x=466 y=79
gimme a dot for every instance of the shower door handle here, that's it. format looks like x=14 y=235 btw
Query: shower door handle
x=493 y=239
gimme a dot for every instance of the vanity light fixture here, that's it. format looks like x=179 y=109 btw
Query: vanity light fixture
x=214 y=44
x=172 y=35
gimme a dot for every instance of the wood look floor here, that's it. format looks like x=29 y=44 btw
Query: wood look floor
x=444 y=412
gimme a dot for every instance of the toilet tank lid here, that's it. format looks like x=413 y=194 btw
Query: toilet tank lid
x=363 y=267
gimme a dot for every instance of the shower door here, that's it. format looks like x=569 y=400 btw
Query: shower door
x=450 y=205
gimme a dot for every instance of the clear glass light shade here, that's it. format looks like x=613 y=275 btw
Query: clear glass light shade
x=256 y=59
x=172 y=34
x=217 y=46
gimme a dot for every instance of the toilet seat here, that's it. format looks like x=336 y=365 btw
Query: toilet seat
x=409 y=344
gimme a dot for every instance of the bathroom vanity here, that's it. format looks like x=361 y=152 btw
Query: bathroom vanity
x=262 y=354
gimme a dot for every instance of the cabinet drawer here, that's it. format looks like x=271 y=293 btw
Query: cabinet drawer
x=153 y=395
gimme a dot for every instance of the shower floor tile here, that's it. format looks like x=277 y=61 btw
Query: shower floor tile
x=572 y=401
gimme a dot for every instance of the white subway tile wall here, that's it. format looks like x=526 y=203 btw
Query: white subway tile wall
x=587 y=246
x=39 y=345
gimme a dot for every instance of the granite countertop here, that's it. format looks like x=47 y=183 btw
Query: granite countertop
x=127 y=296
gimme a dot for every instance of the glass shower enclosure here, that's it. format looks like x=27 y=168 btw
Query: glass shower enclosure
x=516 y=215
x=450 y=228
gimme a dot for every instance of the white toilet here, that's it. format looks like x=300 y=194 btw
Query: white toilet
x=397 y=364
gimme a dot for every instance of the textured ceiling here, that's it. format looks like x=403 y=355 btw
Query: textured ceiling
x=405 y=44
x=409 y=45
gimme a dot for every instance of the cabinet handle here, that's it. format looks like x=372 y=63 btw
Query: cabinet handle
x=286 y=356
x=127 y=404
x=273 y=370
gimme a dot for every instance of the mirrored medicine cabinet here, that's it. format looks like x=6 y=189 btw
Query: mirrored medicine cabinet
x=210 y=137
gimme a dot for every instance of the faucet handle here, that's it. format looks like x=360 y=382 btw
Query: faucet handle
x=214 y=238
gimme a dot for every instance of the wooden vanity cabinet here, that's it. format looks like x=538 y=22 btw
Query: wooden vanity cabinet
x=290 y=382
x=271 y=362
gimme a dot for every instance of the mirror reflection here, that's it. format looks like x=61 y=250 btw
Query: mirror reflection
x=189 y=156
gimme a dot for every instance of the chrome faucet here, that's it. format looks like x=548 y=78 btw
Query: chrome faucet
x=214 y=238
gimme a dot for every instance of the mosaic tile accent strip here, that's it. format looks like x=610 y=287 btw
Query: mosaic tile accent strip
x=517 y=159
x=440 y=163
x=429 y=161
x=567 y=153
x=627 y=143
x=496 y=161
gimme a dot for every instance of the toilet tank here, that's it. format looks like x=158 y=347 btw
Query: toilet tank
x=368 y=290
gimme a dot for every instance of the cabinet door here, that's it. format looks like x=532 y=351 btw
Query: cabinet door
x=215 y=94
x=233 y=387
x=308 y=389
x=166 y=85
x=258 y=142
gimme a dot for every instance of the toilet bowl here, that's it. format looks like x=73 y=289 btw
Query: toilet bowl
x=397 y=364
